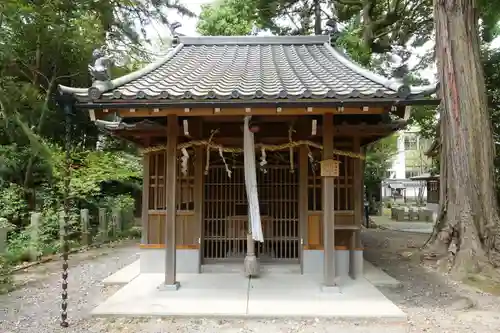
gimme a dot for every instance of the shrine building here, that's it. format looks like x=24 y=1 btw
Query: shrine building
x=312 y=109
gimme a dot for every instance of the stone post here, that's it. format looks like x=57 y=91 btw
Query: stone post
x=3 y=235
x=116 y=222
x=103 y=225
x=84 y=220
x=34 y=235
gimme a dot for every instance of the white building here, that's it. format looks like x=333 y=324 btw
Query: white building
x=409 y=161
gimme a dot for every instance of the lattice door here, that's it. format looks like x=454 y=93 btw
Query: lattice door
x=226 y=219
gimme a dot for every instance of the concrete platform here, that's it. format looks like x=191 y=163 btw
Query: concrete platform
x=378 y=277
x=124 y=275
x=232 y=295
x=371 y=273
x=301 y=296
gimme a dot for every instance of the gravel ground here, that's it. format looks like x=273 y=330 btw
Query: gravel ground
x=433 y=303
x=36 y=307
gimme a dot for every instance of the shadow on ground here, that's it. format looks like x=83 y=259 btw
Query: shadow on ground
x=418 y=286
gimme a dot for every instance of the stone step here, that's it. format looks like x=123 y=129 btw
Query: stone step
x=238 y=268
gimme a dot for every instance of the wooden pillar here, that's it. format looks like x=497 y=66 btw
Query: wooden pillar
x=171 y=190
x=303 y=199
x=358 y=183
x=358 y=210
x=362 y=189
x=145 y=199
x=328 y=206
x=199 y=159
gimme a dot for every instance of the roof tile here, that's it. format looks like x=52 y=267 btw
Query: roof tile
x=251 y=67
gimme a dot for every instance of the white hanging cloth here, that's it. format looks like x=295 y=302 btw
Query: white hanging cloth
x=251 y=182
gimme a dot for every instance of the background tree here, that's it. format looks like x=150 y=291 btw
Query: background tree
x=43 y=44
x=227 y=18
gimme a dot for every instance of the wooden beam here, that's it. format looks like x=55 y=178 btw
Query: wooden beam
x=204 y=111
x=303 y=197
x=328 y=199
x=268 y=133
x=145 y=199
x=264 y=119
x=266 y=129
x=362 y=130
x=171 y=282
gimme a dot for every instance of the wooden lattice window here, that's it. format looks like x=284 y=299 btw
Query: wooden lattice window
x=185 y=183
x=344 y=193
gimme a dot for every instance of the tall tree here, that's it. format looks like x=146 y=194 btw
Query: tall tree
x=467 y=233
x=227 y=18
x=46 y=43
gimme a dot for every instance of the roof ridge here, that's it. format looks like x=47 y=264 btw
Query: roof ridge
x=351 y=64
x=377 y=78
x=253 y=40
x=104 y=86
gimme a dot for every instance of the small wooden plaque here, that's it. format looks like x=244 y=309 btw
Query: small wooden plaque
x=329 y=168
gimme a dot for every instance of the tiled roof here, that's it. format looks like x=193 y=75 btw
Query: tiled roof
x=245 y=68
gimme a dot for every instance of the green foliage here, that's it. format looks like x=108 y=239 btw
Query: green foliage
x=12 y=202
x=44 y=44
x=425 y=117
x=90 y=168
x=18 y=248
x=123 y=202
x=377 y=162
x=227 y=18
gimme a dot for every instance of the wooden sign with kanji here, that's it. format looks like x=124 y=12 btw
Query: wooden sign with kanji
x=329 y=168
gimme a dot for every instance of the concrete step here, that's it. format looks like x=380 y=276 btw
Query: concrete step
x=237 y=268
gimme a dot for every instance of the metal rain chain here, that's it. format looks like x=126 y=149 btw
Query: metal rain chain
x=65 y=246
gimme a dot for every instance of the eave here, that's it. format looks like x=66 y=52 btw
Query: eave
x=128 y=104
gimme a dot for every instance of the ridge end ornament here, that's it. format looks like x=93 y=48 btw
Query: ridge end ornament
x=100 y=70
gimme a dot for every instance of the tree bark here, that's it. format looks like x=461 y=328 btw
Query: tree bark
x=466 y=236
x=317 y=17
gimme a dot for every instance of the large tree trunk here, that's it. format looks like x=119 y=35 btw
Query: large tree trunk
x=467 y=231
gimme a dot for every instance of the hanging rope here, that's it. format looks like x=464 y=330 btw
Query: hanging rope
x=210 y=145
x=184 y=161
x=290 y=132
x=229 y=172
x=311 y=159
x=263 y=160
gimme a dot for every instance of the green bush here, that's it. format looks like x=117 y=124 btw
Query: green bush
x=135 y=232
x=18 y=247
x=13 y=204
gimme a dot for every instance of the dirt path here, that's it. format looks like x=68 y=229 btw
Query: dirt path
x=433 y=304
